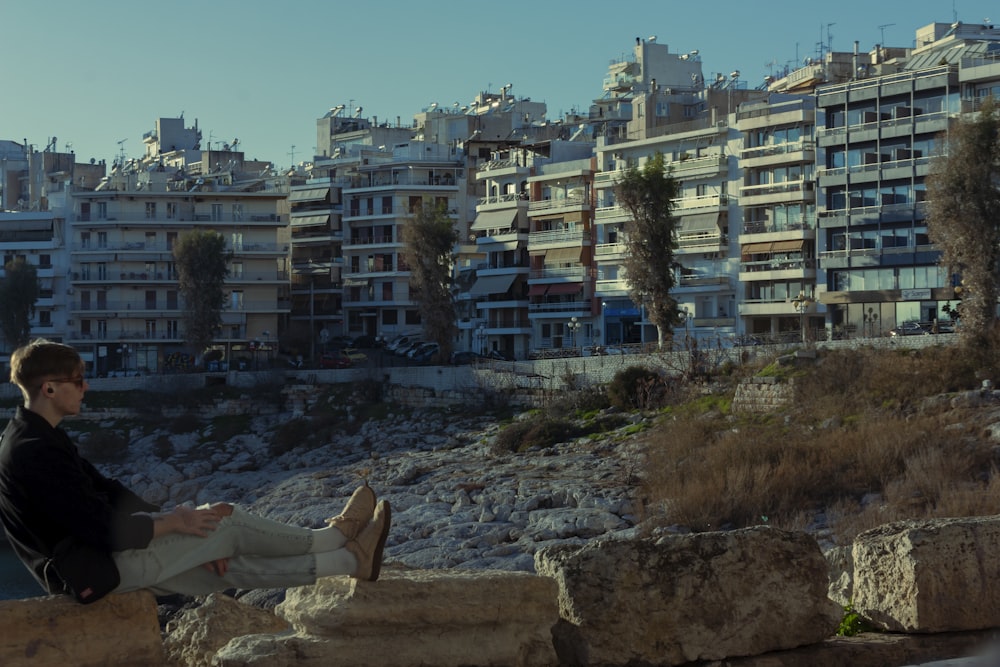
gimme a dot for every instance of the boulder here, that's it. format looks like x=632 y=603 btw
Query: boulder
x=684 y=598
x=116 y=631
x=410 y=618
x=193 y=638
x=937 y=575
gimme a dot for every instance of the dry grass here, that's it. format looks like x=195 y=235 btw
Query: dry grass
x=855 y=450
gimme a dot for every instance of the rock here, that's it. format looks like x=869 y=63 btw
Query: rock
x=937 y=575
x=841 y=575
x=685 y=598
x=194 y=638
x=410 y=619
x=56 y=630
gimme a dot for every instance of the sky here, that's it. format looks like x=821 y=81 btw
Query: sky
x=97 y=75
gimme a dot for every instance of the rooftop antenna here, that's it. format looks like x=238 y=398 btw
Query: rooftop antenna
x=292 y=153
x=121 y=151
x=829 y=37
x=882 y=30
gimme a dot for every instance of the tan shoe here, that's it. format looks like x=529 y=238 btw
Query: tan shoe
x=357 y=512
x=370 y=544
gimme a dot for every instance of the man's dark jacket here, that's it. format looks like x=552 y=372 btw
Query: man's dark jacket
x=48 y=492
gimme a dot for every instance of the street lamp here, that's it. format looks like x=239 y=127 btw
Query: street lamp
x=573 y=325
x=802 y=303
x=481 y=335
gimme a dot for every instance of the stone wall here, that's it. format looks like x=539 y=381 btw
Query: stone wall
x=762 y=395
x=751 y=598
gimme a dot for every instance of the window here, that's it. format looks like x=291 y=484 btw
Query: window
x=151 y=210
x=102 y=328
x=216 y=212
x=171 y=210
x=387 y=291
x=412 y=317
x=150 y=240
x=102 y=240
x=172 y=300
x=236 y=270
x=390 y=316
x=44 y=318
x=237 y=212
x=171 y=240
x=237 y=239
x=150 y=270
x=172 y=329
x=102 y=210
x=150 y=328
x=84 y=240
x=102 y=271
x=85 y=271
x=150 y=299
x=45 y=261
x=236 y=299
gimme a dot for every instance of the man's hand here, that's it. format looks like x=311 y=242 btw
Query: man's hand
x=188 y=521
x=218 y=567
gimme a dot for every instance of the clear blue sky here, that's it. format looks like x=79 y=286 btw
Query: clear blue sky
x=94 y=73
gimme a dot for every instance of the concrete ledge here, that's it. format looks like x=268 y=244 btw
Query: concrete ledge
x=118 y=631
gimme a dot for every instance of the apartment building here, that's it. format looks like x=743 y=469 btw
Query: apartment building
x=38 y=238
x=876 y=137
x=125 y=307
x=777 y=232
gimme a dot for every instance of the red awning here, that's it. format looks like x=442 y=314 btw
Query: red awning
x=537 y=290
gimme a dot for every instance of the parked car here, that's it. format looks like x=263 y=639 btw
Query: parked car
x=416 y=349
x=404 y=349
x=355 y=355
x=400 y=341
x=426 y=353
x=365 y=342
x=335 y=360
x=498 y=355
x=465 y=357
x=909 y=329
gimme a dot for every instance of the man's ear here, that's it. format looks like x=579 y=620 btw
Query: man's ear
x=49 y=390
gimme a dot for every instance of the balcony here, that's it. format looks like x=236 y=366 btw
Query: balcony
x=610 y=214
x=558 y=237
x=777 y=269
x=552 y=205
x=571 y=273
x=709 y=165
x=786 y=153
x=368 y=241
x=563 y=308
x=773 y=193
x=718 y=201
x=606 y=251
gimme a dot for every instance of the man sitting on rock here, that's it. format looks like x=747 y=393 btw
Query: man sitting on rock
x=79 y=532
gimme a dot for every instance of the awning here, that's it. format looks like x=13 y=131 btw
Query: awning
x=493 y=284
x=565 y=288
x=756 y=248
x=787 y=246
x=310 y=220
x=312 y=194
x=537 y=290
x=494 y=220
x=356 y=282
x=563 y=255
x=701 y=222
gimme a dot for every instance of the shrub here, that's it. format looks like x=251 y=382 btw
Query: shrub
x=187 y=422
x=635 y=388
x=536 y=432
x=104 y=446
x=290 y=435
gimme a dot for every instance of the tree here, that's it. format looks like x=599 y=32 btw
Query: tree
x=201 y=259
x=648 y=196
x=963 y=217
x=429 y=241
x=18 y=294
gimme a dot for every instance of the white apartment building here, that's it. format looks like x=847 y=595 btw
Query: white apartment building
x=125 y=307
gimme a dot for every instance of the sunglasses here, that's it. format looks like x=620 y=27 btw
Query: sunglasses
x=78 y=381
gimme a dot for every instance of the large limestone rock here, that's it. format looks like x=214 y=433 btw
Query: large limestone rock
x=117 y=631
x=193 y=639
x=936 y=575
x=689 y=597
x=410 y=619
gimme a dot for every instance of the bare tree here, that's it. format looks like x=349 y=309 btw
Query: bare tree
x=429 y=243
x=18 y=294
x=648 y=195
x=964 y=215
x=201 y=259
